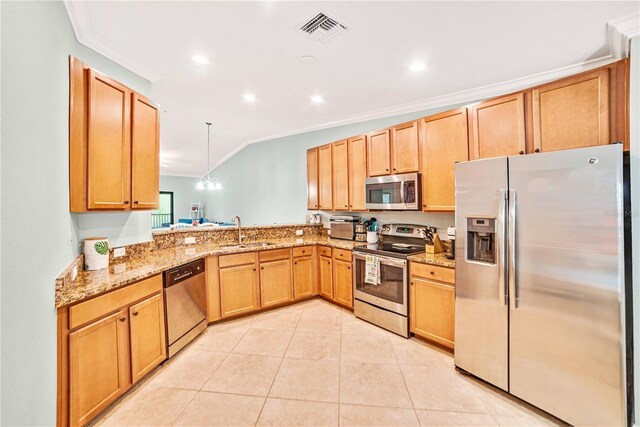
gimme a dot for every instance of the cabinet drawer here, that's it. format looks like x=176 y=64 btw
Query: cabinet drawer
x=432 y=272
x=236 y=259
x=302 y=251
x=324 y=251
x=274 y=255
x=105 y=304
x=342 y=254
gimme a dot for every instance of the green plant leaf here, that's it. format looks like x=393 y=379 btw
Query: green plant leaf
x=102 y=247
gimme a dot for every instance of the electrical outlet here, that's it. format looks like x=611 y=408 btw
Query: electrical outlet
x=118 y=252
x=74 y=273
x=189 y=240
x=299 y=232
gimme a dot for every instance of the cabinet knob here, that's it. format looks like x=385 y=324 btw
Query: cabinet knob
x=387 y=170
x=394 y=169
x=432 y=272
x=411 y=283
x=537 y=150
x=135 y=313
x=348 y=268
x=295 y=263
x=261 y=268
x=254 y=269
x=122 y=319
x=521 y=152
x=345 y=206
x=135 y=203
x=126 y=203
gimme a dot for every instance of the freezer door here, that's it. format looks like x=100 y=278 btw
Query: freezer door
x=566 y=284
x=481 y=312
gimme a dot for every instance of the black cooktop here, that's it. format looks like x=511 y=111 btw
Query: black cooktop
x=391 y=249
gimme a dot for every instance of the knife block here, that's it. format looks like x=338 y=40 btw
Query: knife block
x=436 y=247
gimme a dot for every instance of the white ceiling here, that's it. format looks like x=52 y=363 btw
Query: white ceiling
x=253 y=47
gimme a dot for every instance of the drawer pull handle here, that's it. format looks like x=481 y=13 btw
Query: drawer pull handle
x=122 y=319
x=432 y=272
x=135 y=313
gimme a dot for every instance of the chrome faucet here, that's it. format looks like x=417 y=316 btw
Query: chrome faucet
x=239 y=228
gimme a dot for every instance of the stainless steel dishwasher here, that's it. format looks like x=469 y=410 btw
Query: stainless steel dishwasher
x=185 y=304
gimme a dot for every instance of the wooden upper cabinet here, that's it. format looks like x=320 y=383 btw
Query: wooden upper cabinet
x=108 y=143
x=340 y=175
x=378 y=153
x=357 y=172
x=325 y=196
x=312 y=179
x=98 y=366
x=405 y=143
x=145 y=153
x=572 y=112
x=445 y=142
x=147 y=336
x=114 y=144
x=497 y=127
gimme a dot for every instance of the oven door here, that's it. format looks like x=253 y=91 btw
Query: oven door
x=392 y=291
x=393 y=192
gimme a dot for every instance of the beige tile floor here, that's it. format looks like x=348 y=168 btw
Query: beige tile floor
x=313 y=364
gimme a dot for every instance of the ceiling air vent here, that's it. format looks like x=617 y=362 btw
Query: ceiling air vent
x=322 y=27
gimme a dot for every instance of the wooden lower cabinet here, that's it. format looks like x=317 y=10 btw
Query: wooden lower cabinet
x=148 y=344
x=98 y=366
x=238 y=290
x=343 y=283
x=326 y=277
x=304 y=274
x=213 y=289
x=275 y=282
x=431 y=308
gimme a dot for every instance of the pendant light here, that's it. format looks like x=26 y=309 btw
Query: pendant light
x=207 y=181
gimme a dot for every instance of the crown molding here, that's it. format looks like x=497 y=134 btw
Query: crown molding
x=621 y=31
x=81 y=25
x=449 y=100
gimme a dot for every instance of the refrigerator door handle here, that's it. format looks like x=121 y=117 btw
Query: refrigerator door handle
x=503 y=294
x=513 y=281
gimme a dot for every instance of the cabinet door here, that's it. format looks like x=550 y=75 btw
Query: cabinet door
x=324 y=178
x=147 y=336
x=303 y=277
x=109 y=143
x=340 y=175
x=572 y=112
x=342 y=279
x=145 y=153
x=404 y=140
x=275 y=282
x=213 y=289
x=378 y=153
x=445 y=142
x=497 y=127
x=431 y=305
x=238 y=290
x=312 y=179
x=326 y=277
x=357 y=172
x=98 y=366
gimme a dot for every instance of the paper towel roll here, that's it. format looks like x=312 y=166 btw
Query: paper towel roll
x=96 y=253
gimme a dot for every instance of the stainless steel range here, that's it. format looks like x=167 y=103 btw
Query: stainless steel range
x=381 y=277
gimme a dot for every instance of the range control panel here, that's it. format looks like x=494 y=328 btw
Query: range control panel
x=406 y=230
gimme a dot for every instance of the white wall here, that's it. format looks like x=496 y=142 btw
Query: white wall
x=634 y=127
x=184 y=192
x=272 y=175
x=36 y=39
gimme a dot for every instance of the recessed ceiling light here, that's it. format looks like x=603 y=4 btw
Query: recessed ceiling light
x=307 y=59
x=201 y=59
x=249 y=97
x=417 y=66
x=317 y=99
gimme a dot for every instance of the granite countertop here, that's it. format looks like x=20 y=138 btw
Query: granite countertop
x=91 y=283
x=434 y=259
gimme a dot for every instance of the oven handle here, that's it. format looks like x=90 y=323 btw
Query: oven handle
x=384 y=260
x=402 y=190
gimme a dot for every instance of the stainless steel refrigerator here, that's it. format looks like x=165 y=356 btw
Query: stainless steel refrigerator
x=539 y=308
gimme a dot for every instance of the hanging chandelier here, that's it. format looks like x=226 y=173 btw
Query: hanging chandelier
x=208 y=181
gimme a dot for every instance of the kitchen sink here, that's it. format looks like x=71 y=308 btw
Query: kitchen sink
x=249 y=245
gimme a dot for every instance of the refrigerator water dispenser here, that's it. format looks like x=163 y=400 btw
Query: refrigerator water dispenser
x=481 y=240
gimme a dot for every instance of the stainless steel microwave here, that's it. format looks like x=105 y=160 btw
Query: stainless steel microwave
x=393 y=192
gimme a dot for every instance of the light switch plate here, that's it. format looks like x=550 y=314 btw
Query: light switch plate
x=299 y=232
x=118 y=252
x=189 y=240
